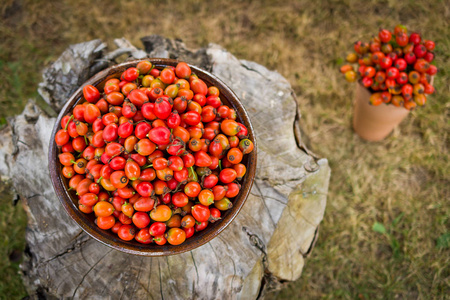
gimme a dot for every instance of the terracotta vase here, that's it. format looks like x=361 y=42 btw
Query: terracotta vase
x=374 y=123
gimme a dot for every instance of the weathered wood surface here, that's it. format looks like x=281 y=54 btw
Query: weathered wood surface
x=265 y=245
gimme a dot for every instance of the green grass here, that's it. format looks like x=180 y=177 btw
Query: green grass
x=12 y=243
x=402 y=182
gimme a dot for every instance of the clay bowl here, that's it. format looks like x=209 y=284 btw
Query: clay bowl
x=86 y=222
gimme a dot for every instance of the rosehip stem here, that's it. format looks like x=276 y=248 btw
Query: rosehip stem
x=178 y=187
x=192 y=175
x=153 y=196
x=67 y=124
x=143 y=121
x=115 y=155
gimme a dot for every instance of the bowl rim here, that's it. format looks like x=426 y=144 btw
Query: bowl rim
x=134 y=247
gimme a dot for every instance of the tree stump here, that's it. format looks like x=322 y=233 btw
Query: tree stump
x=265 y=246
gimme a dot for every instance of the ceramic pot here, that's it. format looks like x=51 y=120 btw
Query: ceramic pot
x=374 y=123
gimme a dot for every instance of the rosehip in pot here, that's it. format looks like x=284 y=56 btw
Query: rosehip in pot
x=420 y=51
x=392 y=73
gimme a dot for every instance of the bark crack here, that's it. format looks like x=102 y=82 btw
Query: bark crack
x=256 y=71
x=258 y=243
x=195 y=265
x=77 y=235
x=33 y=196
x=298 y=131
x=125 y=286
x=87 y=273
x=82 y=255
x=160 y=280
x=137 y=279
x=234 y=264
x=149 y=277
x=313 y=243
x=301 y=216
x=264 y=202
x=215 y=254
x=67 y=250
x=170 y=275
x=275 y=199
x=61 y=283
x=269 y=281
x=276 y=182
x=234 y=272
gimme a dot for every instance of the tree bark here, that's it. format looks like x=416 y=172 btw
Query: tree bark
x=264 y=247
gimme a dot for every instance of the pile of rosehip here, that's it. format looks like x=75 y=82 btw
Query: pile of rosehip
x=155 y=155
x=395 y=67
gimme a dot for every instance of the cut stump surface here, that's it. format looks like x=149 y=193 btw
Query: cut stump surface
x=265 y=245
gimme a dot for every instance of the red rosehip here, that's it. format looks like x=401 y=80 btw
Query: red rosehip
x=402 y=78
x=357 y=47
x=369 y=72
x=402 y=39
x=375 y=99
x=393 y=55
x=367 y=82
x=400 y=64
x=410 y=58
x=420 y=51
x=409 y=105
x=385 y=35
x=386 y=62
x=91 y=93
x=432 y=70
x=429 y=56
x=421 y=65
x=386 y=97
x=390 y=83
x=375 y=47
x=377 y=57
x=407 y=91
x=361 y=69
x=429 y=45
x=429 y=89
x=392 y=73
x=380 y=76
x=130 y=74
x=415 y=38
x=408 y=48
x=361 y=47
